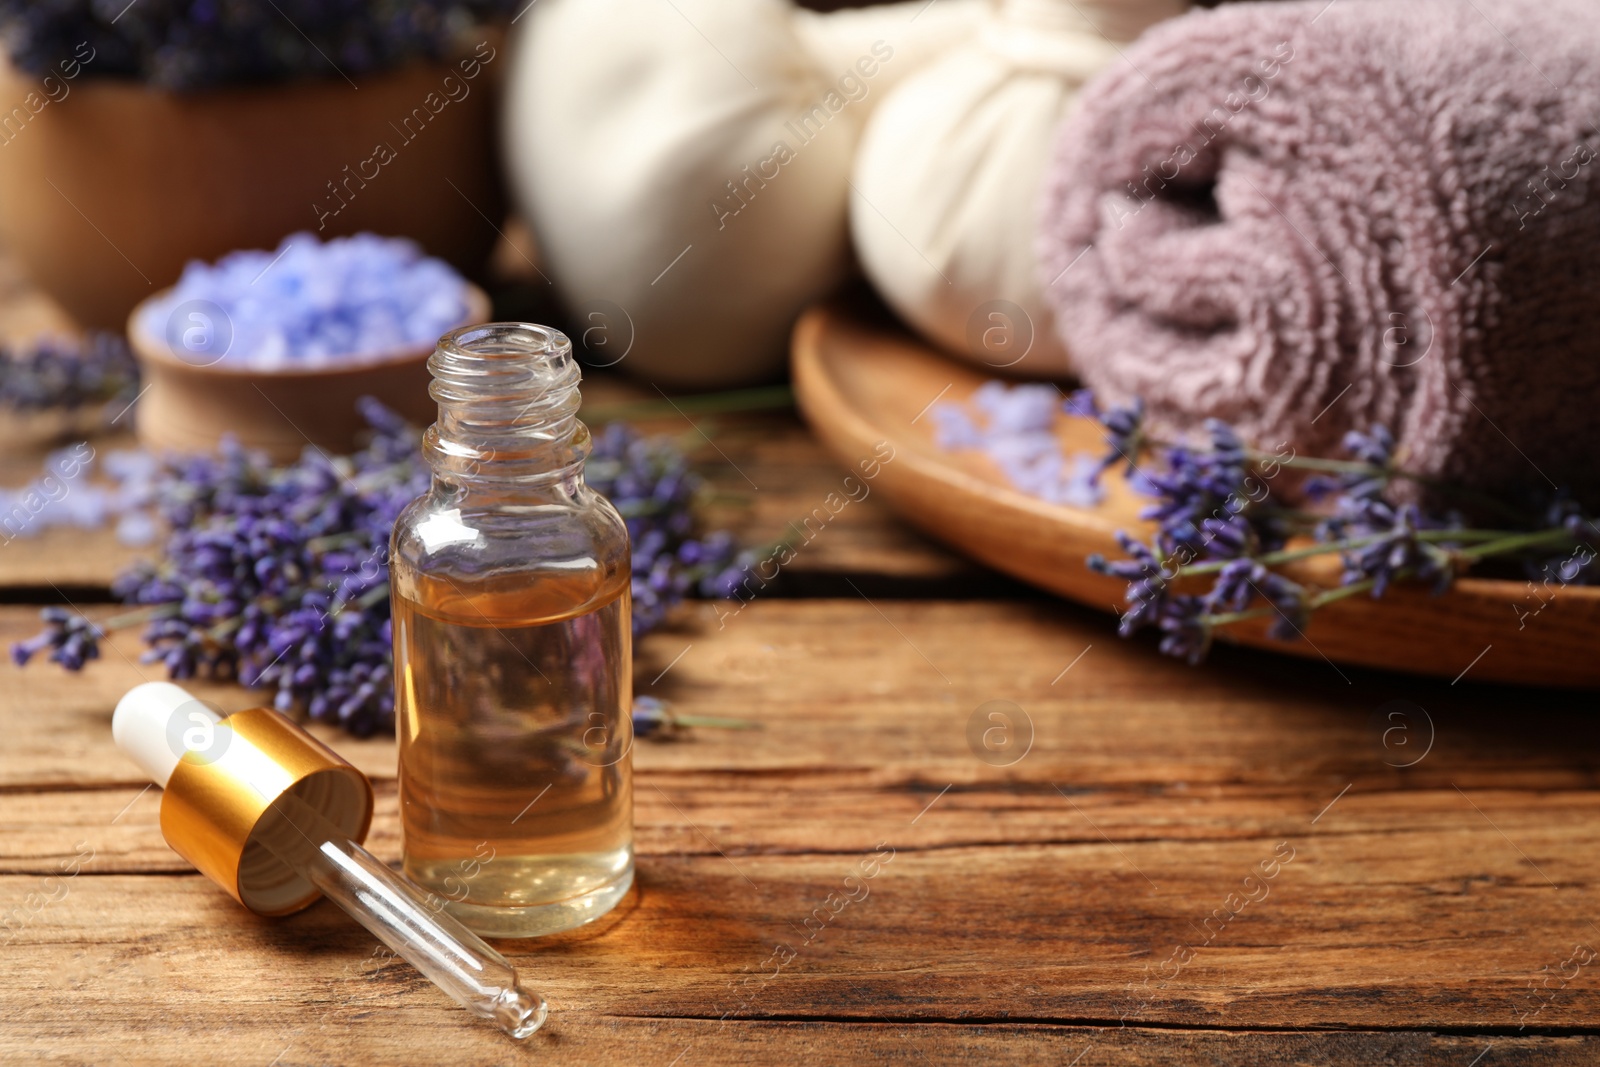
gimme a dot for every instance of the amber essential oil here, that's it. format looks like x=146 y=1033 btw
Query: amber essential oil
x=512 y=633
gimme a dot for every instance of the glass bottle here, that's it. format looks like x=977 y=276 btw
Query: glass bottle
x=513 y=647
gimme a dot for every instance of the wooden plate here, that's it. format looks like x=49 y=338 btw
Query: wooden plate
x=862 y=381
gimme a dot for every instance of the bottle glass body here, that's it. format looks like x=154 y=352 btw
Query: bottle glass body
x=513 y=652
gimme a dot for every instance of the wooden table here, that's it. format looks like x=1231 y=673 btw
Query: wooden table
x=1224 y=864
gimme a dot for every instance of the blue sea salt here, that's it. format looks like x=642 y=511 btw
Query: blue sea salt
x=310 y=304
x=1018 y=435
x=953 y=428
x=1018 y=408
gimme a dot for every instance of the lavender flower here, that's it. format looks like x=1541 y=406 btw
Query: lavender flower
x=1081 y=403
x=66 y=374
x=1185 y=628
x=71 y=640
x=1215 y=515
x=278 y=576
x=649 y=715
x=1211 y=522
x=1208 y=507
x=1242 y=580
x=1373 y=449
x=651 y=485
x=187 y=45
x=1390 y=547
x=1124 y=429
x=1147 y=594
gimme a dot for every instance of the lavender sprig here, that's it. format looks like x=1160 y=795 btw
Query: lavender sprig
x=278 y=576
x=649 y=481
x=65 y=374
x=71 y=640
x=653 y=717
x=1215 y=518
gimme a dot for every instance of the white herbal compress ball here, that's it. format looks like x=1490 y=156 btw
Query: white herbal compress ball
x=947 y=176
x=685 y=165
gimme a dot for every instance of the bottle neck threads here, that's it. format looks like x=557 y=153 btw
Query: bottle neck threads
x=508 y=406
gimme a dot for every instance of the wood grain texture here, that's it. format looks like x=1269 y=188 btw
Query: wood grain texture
x=861 y=382
x=382 y=1030
x=861 y=687
x=1019 y=919
x=1059 y=934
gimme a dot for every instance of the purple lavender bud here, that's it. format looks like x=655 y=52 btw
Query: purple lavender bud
x=23 y=651
x=954 y=429
x=649 y=714
x=1081 y=403
x=70 y=639
x=1185 y=632
x=274 y=551
x=1376 y=447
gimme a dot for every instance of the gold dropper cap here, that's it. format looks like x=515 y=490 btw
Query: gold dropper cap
x=227 y=779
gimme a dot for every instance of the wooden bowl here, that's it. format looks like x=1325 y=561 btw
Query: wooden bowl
x=186 y=407
x=105 y=195
x=861 y=380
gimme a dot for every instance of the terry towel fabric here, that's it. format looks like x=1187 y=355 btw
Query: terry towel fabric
x=1308 y=217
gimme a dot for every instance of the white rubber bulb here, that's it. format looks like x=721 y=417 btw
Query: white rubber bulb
x=154 y=724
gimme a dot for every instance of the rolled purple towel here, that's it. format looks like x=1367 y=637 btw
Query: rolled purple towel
x=1308 y=217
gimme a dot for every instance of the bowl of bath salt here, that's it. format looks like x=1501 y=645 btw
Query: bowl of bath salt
x=275 y=347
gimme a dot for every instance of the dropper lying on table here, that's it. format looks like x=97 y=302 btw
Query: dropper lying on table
x=276 y=818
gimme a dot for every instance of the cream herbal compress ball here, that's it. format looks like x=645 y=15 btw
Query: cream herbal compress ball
x=685 y=166
x=947 y=177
